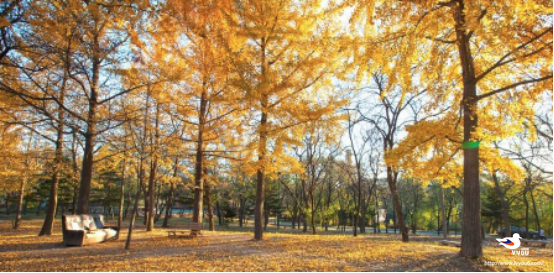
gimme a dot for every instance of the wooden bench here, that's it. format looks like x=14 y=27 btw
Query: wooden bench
x=183 y=230
x=450 y=243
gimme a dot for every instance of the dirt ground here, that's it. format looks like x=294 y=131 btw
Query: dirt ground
x=23 y=250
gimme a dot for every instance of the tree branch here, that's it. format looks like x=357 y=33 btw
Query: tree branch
x=480 y=97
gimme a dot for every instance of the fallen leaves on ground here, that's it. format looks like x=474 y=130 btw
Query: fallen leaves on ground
x=22 y=250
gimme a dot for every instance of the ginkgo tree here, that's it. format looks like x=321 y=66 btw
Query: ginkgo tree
x=73 y=48
x=287 y=53
x=488 y=61
x=208 y=104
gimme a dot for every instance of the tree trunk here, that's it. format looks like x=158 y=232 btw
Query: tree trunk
x=127 y=205
x=260 y=183
x=355 y=219
x=304 y=206
x=471 y=224
x=169 y=206
x=266 y=218
x=209 y=208
x=363 y=217
x=535 y=212
x=218 y=209
x=294 y=216
x=17 y=222
x=198 y=206
x=8 y=204
x=241 y=210
x=151 y=193
x=74 y=200
x=48 y=223
x=505 y=216
x=438 y=220
x=313 y=212
x=122 y=192
x=135 y=205
x=91 y=119
x=159 y=207
x=304 y=222
x=86 y=170
x=526 y=202
x=397 y=206
x=132 y=222
x=153 y=171
x=394 y=218
x=262 y=147
x=443 y=211
x=377 y=219
x=38 y=206
x=197 y=215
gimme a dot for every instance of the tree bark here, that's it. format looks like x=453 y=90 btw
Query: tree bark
x=74 y=200
x=8 y=204
x=86 y=170
x=209 y=208
x=169 y=209
x=133 y=218
x=127 y=205
x=151 y=193
x=391 y=179
x=294 y=216
x=443 y=211
x=153 y=172
x=38 y=206
x=504 y=204
x=314 y=231
x=219 y=216
x=359 y=201
x=363 y=217
x=266 y=218
x=259 y=206
x=135 y=205
x=526 y=202
x=48 y=223
x=535 y=212
x=17 y=222
x=262 y=147
x=471 y=224
x=241 y=210
x=122 y=190
x=377 y=226
x=169 y=206
x=197 y=214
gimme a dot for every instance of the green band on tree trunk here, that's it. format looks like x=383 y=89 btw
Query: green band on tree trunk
x=470 y=144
